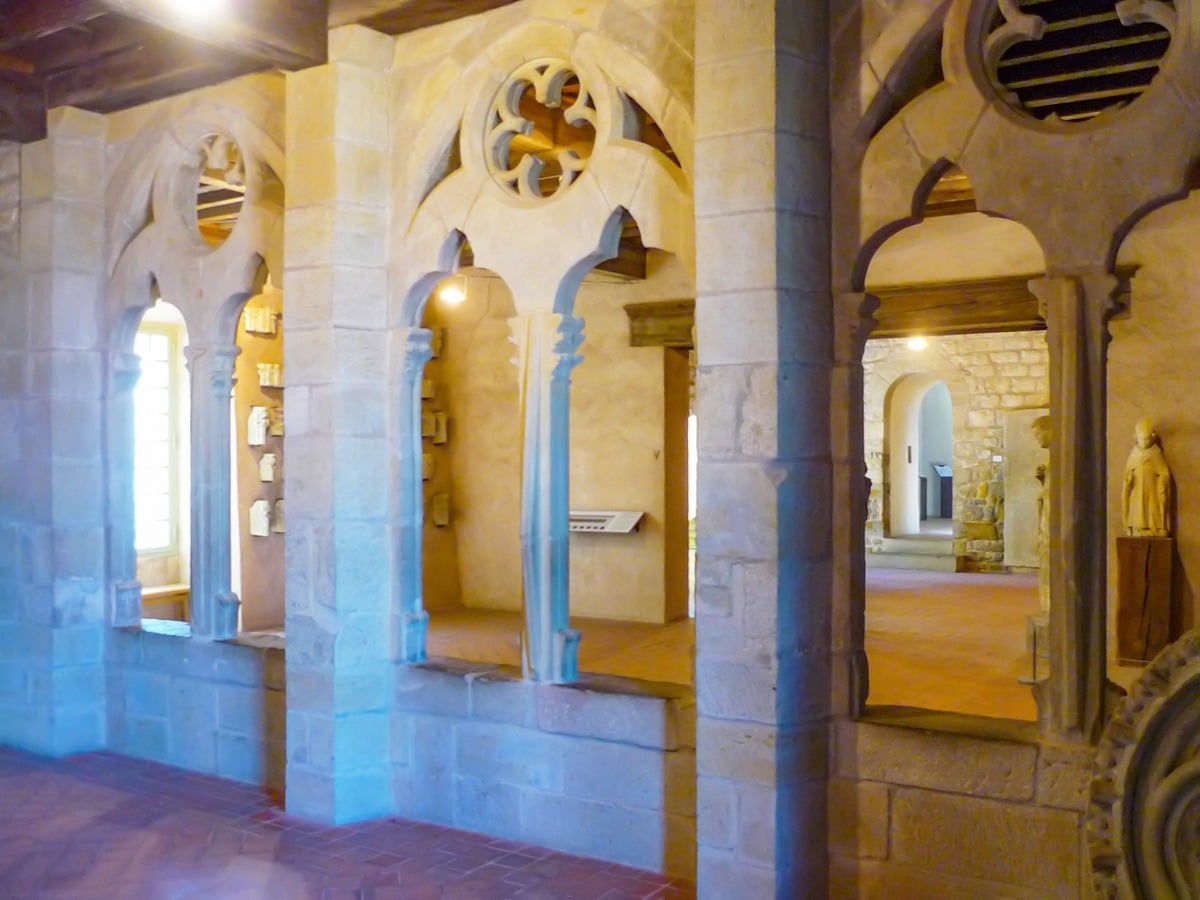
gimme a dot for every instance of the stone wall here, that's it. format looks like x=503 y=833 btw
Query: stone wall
x=10 y=200
x=920 y=813
x=605 y=768
x=987 y=375
x=211 y=707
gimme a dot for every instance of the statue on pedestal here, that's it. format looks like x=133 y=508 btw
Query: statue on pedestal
x=1146 y=494
x=1041 y=433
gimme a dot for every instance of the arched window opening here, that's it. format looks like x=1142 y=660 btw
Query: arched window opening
x=162 y=463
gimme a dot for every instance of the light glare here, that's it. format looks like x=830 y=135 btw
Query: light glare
x=917 y=343
x=452 y=294
x=198 y=9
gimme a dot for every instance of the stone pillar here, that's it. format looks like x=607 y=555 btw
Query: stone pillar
x=124 y=589
x=411 y=620
x=52 y=681
x=547 y=345
x=1076 y=699
x=340 y=482
x=853 y=324
x=764 y=520
x=214 y=606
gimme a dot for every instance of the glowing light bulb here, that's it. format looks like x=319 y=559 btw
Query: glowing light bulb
x=917 y=343
x=452 y=294
x=198 y=9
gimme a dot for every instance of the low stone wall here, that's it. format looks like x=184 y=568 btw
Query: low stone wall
x=920 y=813
x=214 y=707
x=604 y=768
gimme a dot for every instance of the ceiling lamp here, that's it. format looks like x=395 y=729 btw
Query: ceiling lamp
x=198 y=9
x=452 y=294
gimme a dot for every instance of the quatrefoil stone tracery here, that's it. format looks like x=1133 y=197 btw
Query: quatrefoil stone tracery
x=547 y=79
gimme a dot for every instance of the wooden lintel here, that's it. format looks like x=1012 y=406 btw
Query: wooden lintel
x=401 y=16
x=141 y=73
x=26 y=21
x=960 y=307
x=22 y=108
x=666 y=323
x=288 y=34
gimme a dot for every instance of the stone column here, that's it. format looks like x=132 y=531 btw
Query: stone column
x=214 y=606
x=52 y=679
x=339 y=451
x=853 y=324
x=125 y=591
x=547 y=345
x=764 y=520
x=412 y=621
x=1076 y=700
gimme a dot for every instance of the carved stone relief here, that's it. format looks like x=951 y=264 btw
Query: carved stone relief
x=1144 y=815
x=529 y=150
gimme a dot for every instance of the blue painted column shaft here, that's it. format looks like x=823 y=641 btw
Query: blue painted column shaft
x=548 y=344
x=214 y=605
x=124 y=590
x=412 y=621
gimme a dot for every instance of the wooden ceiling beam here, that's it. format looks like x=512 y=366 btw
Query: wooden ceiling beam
x=26 y=21
x=22 y=108
x=286 y=34
x=141 y=73
x=401 y=16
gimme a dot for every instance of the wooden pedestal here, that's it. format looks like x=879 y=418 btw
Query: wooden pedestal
x=1143 y=597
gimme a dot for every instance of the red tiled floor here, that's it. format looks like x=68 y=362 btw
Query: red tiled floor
x=102 y=826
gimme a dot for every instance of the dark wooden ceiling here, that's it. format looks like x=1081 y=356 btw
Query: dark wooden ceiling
x=105 y=55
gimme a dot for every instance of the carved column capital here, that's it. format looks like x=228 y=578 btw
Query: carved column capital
x=853 y=322
x=418 y=350
x=126 y=370
x=570 y=333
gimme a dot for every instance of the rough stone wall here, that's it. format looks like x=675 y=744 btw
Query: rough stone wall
x=10 y=200
x=604 y=769
x=918 y=813
x=218 y=708
x=987 y=375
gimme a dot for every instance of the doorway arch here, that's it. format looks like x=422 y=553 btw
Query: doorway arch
x=902 y=449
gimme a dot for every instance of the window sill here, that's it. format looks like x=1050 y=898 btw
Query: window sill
x=1011 y=730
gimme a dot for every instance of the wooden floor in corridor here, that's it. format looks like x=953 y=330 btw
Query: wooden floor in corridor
x=951 y=642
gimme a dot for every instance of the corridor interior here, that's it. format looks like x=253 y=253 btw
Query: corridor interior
x=951 y=642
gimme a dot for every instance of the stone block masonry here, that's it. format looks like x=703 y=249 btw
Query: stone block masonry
x=918 y=812
x=212 y=707
x=604 y=768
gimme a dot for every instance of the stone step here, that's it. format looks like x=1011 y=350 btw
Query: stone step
x=920 y=546
x=927 y=562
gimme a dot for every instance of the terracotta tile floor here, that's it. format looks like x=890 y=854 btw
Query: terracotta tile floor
x=100 y=826
x=941 y=641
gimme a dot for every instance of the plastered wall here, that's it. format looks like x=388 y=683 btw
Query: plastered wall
x=1152 y=370
x=619 y=454
x=262 y=558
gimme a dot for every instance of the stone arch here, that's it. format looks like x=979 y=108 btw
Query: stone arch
x=902 y=409
x=622 y=173
x=1144 y=803
x=895 y=57
x=151 y=200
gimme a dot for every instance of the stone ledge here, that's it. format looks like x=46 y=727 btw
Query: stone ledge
x=602 y=707
x=992 y=767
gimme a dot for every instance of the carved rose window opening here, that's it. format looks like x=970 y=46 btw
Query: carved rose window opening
x=542 y=129
x=220 y=188
x=1072 y=60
